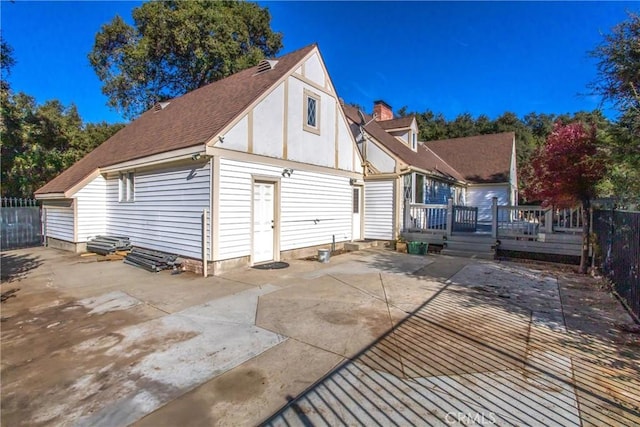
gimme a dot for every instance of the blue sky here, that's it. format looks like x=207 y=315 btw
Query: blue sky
x=449 y=57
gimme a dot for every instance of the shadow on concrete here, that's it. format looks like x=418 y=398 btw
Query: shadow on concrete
x=15 y=267
x=434 y=266
x=444 y=365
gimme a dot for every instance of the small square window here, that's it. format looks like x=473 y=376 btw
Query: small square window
x=311 y=112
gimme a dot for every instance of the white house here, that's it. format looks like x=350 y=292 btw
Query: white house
x=400 y=168
x=257 y=167
x=488 y=165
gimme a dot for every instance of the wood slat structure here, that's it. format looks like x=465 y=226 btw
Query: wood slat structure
x=526 y=228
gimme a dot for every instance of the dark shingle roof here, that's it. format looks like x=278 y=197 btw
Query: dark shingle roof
x=189 y=120
x=423 y=159
x=399 y=123
x=480 y=159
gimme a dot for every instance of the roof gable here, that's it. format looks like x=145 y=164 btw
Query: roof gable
x=480 y=159
x=399 y=123
x=423 y=158
x=188 y=120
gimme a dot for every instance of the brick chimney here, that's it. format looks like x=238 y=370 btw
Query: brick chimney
x=382 y=110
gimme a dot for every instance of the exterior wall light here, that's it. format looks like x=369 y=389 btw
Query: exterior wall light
x=286 y=172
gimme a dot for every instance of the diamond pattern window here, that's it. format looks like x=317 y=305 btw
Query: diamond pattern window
x=311 y=108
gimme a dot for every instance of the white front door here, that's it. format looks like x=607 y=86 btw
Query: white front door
x=263 y=225
x=357 y=208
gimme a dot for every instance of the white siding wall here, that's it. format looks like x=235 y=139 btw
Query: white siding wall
x=311 y=196
x=237 y=138
x=348 y=158
x=167 y=212
x=481 y=197
x=59 y=222
x=378 y=210
x=307 y=147
x=403 y=135
x=379 y=159
x=91 y=200
x=313 y=70
x=305 y=197
x=267 y=130
x=268 y=124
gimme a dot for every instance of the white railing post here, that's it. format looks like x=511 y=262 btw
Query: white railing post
x=548 y=220
x=407 y=214
x=494 y=218
x=449 y=216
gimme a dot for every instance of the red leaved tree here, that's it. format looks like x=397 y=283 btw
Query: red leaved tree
x=564 y=173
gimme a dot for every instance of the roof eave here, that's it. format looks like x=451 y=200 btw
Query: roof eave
x=437 y=173
x=46 y=196
x=160 y=158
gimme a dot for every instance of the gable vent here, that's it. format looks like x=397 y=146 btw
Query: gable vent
x=160 y=106
x=266 y=65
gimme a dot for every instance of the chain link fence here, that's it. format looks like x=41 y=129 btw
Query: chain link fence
x=21 y=223
x=618 y=252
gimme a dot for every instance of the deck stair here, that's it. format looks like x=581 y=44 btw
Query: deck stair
x=470 y=246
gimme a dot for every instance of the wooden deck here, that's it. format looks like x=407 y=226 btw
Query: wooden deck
x=522 y=229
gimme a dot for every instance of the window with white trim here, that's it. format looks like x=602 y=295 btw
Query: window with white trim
x=126 y=187
x=356 y=200
x=414 y=141
x=311 y=109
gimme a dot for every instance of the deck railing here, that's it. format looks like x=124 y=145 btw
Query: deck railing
x=521 y=221
x=465 y=218
x=515 y=222
x=423 y=217
x=568 y=220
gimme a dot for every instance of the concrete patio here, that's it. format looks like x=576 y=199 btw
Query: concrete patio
x=372 y=338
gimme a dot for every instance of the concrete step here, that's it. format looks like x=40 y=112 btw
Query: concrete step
x=359 y=245
x=468 y=254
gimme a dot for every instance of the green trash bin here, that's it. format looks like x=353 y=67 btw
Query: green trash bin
x=424 y=248
x=417 y=248
x=413 y=248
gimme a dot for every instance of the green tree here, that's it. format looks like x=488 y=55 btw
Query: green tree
x=623 y=148
x=461 y=126
x=484 y=124
x=7 y=61
x=178 y=46
x=618 y=82
x=431 y=126
x=540 y=125
x=40 y=141
x=618 y=67
x=525 y=141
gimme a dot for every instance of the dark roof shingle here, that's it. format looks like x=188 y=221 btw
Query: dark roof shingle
x=188 y=120
x=423 y=159
x=399 y=123
x=480 y=159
